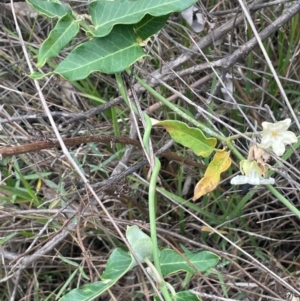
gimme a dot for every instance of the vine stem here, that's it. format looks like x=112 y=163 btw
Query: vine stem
x=155 y=168
x=153 y=232
x=226 y=140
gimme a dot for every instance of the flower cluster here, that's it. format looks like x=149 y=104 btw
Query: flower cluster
x=254 y=169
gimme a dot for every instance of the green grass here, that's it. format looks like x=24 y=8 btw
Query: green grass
x=41 y=193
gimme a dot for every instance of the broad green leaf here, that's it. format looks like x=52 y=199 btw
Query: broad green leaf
x=118 y=264
x=51 y=9
x=111 y=54
x=63 y=32
x=172 y=262
x=211 y=179
x=149 y=26
x=106 y=14
x=190 y=137
x=140 y=242
x=89 y=292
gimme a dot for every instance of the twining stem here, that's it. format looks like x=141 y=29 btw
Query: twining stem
x=152 y=214
x=155 y=168
x=153 y=232
x=164 y=286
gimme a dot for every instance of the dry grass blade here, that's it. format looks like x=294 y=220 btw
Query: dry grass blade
x=74 y=175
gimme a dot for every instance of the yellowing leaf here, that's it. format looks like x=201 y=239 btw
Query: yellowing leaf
x=190 y=137
x=211 y=179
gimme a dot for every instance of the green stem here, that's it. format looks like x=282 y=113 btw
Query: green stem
x=152 y=213
x=164 y=286
x=237 y=136
x=80 y=19
x=147 y=132
x=116 y=129
x=225 y=140
x=283 y=200
x=152 y=191
x=153 y=232
x=205 y=129
x=122 y=90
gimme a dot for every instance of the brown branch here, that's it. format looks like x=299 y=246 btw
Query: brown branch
x=204 y=42
x=161 y=74
x=245 y=49
x=37 y=146
x=231 y=59
x=40 y=145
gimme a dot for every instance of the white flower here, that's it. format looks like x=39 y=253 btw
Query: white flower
x=252 y=175
x=253 y=179
x=276 y=136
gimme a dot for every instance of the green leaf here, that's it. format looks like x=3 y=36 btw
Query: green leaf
x=189 y=137
x=111 y=54
x=172 y=262
x=186 y=295
x=149 y=26
x=88 y=292
x=140 y=242
x=106 y=14
x=118 y=264
x=51 y=9
x=63 y=32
